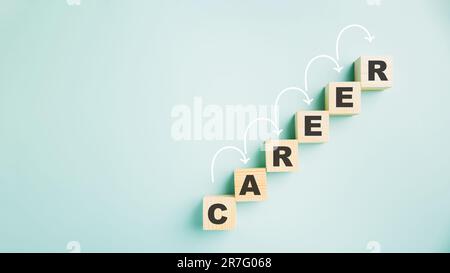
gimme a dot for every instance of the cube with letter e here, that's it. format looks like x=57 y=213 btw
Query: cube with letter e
x=343 y=98
x=312 y=126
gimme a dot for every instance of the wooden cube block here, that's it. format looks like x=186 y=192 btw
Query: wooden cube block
x=312 y=126
x=219 y=212
x=281 y=155
x=343 y=98
x=374 y=72
x=250 y=184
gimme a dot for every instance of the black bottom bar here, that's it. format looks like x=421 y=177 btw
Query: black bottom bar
x=225 y=262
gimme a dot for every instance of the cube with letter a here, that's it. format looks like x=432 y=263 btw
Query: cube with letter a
x=219 y=212
x=374 y=72
x=311 y=126
x=343 y=98
x=250 y=184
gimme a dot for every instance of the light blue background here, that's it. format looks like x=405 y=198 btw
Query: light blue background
x=86 y=153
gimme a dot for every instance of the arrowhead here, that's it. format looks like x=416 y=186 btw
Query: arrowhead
x=370 y=38
x=278 y=132
x=245 y=160
x=338 y=69
x=308 y=101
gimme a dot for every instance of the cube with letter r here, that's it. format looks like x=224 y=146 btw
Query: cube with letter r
x=374 y=72
x=281 y=155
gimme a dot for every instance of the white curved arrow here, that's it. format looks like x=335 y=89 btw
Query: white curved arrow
x=276 y=131
x=338 y=68
x=374 y=247
x=369 y=37
x=244 y=158
x=308 y=100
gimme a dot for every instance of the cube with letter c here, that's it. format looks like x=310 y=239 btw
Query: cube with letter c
x=219 y=212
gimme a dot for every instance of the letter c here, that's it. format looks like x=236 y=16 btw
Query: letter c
x=211 y=211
